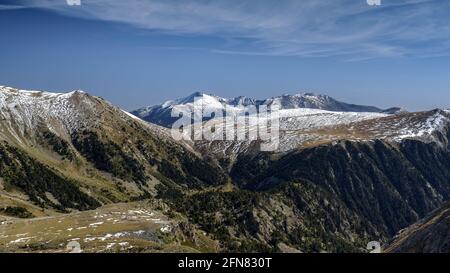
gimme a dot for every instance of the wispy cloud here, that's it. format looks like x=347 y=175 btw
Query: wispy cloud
x=310 y=28
x=10 y=7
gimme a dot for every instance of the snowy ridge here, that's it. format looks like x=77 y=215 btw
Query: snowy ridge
x=27 y=110
x=297 y=127
x=26 y=114
x=301 y=128
x=161 y=114
x=423 y=126
x=436 y=122
x=298 y=119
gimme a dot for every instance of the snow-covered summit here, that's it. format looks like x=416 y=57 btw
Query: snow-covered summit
x=25 y=113
x=161 y=114
x=21 y=92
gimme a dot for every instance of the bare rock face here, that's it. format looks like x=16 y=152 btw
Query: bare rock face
x=430 y=235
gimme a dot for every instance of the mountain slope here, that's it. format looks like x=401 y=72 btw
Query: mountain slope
x=161 y=114
x=341 y=179
x=379 y=171
x=334 y=197
x=429 y=235
x=303 y=128
x=385 y=171
x=98 y=150
x=390 y=185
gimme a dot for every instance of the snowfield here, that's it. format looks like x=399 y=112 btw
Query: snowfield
x=308 y=127
x=296 y=127
x=298 y=119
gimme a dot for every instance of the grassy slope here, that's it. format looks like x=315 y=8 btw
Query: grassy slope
x=124 y=227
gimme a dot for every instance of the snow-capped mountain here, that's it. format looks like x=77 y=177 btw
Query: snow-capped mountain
x=25 y=113
x=308 y=120
x=322 y=102
x=88 y=139
x=73 y=151
x=300 y=128
x=161 y=114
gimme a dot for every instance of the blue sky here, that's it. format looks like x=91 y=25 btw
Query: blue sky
x=143 y=52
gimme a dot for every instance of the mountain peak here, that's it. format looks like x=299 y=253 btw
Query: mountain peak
x=161 y=114
x=77 y=92
x=61 y=112
x=190 y=98
x=309 y=94
x=38 y=93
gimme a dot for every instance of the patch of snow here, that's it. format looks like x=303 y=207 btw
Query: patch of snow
x=21 y=240
x=96 y=224
x=110 y=245
x=132 y=116
x=166 y=229
x=434 y=123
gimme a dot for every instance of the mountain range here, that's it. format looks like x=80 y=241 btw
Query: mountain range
x=161 y=114
x=429 y=235
x=342 y=176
